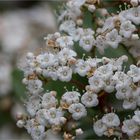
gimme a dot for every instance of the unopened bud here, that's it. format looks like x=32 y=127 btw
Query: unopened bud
x=79 y=132
x=20 y=123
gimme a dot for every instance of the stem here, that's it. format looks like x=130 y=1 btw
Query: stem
x=93 y=51
x=102 y=102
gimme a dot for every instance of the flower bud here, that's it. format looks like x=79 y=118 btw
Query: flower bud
x=30 y=55
x=91 y=8
x=135 y=37
x=20 y=123
x=79 y=132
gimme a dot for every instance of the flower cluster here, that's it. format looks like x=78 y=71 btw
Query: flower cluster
x=108 y=125
x=120 y=28
x=111 y=78
x=104 y=76
x=56 y=63
x=71 y=22
x=45 y=113
x=132 y=126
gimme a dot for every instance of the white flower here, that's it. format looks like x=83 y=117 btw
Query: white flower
x=127 y=28
x=54 y=116
x=79 y=132
x=49 y=100
x=30 y=124
x=117 y=64
x=68 y=26
x=99 y=128
x=100 y=44
x=104 y=72
x=111 y=120
x=20 y=123
x=135 y=37
x=77 y=34
x=38 y=132
x=34 y=86
x=78 y=3
x=91 y=8
x=124 y=91
x=133 y=14
x=82 y=67
x=66 y=54
x=72 y=12
x=52 y=36
x=130 y=103
x=93 y=62
x=89 y=99
x=30 y=66
x=65 y=41
x=50 y=72
x=46 y=59
x=60 y=61
x=120 y=78
x=88 y=32
x=86 y=42
x=70 y=97
x=113 y=39
x=134 y=73
x=33 y=105
x=109 y=85
x=64 y=73
x=130 y=127
x=136 y=117
x=51 y=40
x=78 y=111
x=134 y=2
x=30 y=55
x=96 y=83
x=109 y=22
x=40 y=117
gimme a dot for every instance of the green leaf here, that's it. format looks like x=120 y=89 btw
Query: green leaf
x=116 y=53
x=59 y=85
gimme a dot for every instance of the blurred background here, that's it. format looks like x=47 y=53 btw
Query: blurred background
x=23 y=25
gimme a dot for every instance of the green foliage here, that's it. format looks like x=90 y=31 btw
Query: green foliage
x=115 y=53
x=18 y=88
